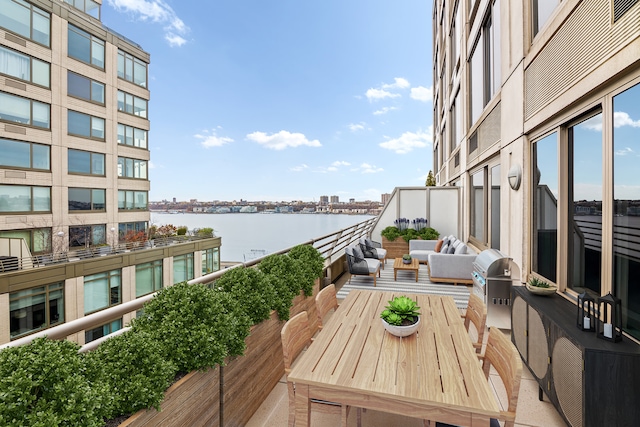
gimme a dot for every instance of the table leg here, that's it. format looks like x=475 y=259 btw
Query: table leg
x=395 y=275
x=416 y=276
x=303 y=406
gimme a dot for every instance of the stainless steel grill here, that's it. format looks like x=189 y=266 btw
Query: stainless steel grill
x=492 y=282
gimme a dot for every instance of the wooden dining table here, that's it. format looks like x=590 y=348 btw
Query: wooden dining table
x=433 y=374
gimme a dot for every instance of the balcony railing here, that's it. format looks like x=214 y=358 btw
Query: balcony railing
x=331 y=246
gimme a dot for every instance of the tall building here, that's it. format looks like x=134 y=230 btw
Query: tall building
x=537 y=120
x=324 y=200
x=74 y=171
x=335 y=199
x=384 y=198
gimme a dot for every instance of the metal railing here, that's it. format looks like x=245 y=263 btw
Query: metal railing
x=331 y=246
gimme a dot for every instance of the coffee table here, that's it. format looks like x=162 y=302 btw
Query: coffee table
x=398 y=264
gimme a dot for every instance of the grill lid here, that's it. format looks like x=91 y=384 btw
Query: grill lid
x=491 y=262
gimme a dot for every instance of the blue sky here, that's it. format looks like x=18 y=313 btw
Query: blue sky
x=284 y=99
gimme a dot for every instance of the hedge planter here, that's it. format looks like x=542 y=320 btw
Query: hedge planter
x=396 y=248
x=245 y=381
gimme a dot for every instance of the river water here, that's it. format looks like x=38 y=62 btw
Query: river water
x=247 y=235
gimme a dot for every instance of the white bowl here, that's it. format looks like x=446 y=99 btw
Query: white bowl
x=401 y=331
x=542 y=291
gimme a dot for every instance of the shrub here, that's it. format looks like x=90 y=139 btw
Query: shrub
x=43 y=384
x=168 y=230
x=203 y=232
x=182 y=230
x=197 y=327
x=310 y=263
x=252 y=288
x=131 y=368
x=391 y=233
x=285 y=278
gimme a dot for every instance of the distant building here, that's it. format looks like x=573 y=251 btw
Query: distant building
x=385 y=198
x=352 y=200
x=335 y=199
x=324 y=200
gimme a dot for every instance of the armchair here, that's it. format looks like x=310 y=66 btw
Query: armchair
x=374 y=250
x=359 y=265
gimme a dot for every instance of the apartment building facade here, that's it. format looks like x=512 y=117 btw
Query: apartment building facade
x=74 y=176
x=536 y=117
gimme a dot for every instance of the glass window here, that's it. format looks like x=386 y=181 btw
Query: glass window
x=541 y=12
x=128 y=135
x=38 y=239
x=23 y=198
x=102 y=290
x=87 y=235
x=85 y=47
x=126 y=227
x=148 y=277
x=36 y=309
x=132 y=200
x=183 y=268
x=132 y=69
x=494 y=195
x=26 y=20
x=131 y=104
x=585 y=205
x=87 y=6
x=24 y=67
x=102 y=331
x=626 y=207
x=85 y=162
x=15 y=109
x=24 y=155
x=87 y=199
x=85 y=125
x=132 y=168
x=85 y=88
x=210 y=260
x=545 y=206
x=477 y=205
x=477 y=87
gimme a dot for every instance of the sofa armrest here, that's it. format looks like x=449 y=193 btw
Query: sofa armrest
x=422 y=245
x=451 y=266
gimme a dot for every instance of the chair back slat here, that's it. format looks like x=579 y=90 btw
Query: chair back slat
x=503 y=356
x=476 y=314
x=325 y=301
x=295 y=336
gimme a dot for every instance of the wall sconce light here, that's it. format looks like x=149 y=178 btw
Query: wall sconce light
x=113 y=229
x=60 y=233
x=515 y=176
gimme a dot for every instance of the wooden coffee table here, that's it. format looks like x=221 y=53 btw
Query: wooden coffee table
x=399 y=265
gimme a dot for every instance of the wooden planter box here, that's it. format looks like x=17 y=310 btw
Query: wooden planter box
x=245 y=381
x=396 y=248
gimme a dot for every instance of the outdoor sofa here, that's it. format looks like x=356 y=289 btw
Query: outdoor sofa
x=449 y=259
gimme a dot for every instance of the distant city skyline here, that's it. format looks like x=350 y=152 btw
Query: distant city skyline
x=278 y=100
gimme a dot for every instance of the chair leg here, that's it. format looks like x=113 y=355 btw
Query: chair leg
x=344 y=415
x=359 y=417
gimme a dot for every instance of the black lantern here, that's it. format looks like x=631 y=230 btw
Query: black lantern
x=610 y=311
x=586 y=312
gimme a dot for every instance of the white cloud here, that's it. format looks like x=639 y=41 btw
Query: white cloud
x=421 y=93
x=624 y=151
x=340 y=163
x=356 y=127
x=299 y=168
x=282 y=140
x=408 y=141
x=367 y=168
x=384 y=110
x=399 y=83
x=620 y=118
x=376 y=94
x=332 y=169
x=157 y=11
x=212 y=139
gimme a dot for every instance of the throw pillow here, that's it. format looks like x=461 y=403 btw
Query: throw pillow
x=357 y=253
x=439 y=244
x=461 y=249
x=444 y=249
x=451 y=249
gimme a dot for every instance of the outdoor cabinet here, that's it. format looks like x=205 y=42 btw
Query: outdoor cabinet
x=591 y=382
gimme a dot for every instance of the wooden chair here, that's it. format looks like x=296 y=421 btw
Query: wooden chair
x=503 y=356
x=326 y=300
x=295 y=336
x=476 y=314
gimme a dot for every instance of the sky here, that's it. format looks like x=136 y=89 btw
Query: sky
x=284 y=100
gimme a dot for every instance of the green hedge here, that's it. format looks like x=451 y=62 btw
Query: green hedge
x=183 y=328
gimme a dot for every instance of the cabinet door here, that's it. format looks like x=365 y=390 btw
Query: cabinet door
x=566 y=377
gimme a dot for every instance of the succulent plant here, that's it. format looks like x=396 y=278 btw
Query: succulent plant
x=401 y=311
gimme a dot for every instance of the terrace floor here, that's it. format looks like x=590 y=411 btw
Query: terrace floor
x=530 y=411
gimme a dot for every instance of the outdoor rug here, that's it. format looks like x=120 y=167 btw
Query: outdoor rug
x=406 y=283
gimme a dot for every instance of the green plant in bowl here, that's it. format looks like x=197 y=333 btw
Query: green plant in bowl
x=401 y=311
x=406 y=257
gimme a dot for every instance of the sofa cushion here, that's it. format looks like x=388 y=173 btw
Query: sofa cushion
x=439 y=245
x=444 y=249
x=461 y=249
x=451 y=250
x=357 y=253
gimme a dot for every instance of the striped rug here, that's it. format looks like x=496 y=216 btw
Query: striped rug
x=406 y=283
